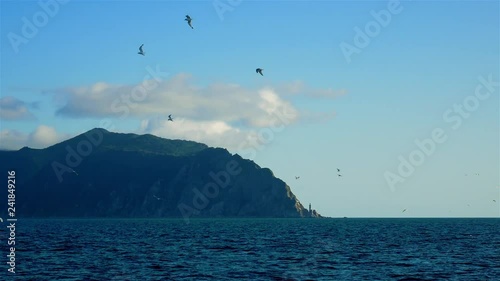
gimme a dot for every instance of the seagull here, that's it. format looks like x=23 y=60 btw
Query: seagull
x=189 y=19
x=297 y=178
x=158 y=198
x=339 y=175
x=73 y=171
x=403 y=211
x=338 y=170
x=170 y=118
x=141 y=51
x=259 y=70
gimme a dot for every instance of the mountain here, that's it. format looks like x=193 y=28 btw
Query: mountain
x=105 y=174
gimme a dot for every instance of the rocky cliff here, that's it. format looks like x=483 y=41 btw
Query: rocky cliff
x=104 y=174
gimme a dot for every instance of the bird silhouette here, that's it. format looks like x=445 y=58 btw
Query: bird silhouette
x=338 y=170
x=170 y=118
x=189 y=19
x=403 y=211
x=339 y=175
x=297 y=178
x=141 y=51
x=259 y=71
x=157 y=198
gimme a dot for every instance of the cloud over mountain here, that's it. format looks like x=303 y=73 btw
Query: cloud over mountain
x=42 y=137
x=220 y=114
x=178 y=96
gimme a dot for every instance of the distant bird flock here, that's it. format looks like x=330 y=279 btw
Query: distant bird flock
x=190 y=23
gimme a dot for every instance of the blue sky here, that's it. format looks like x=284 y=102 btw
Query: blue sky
x=359 y=116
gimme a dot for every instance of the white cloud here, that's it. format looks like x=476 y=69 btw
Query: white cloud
x=12 y=108
x=221 y=114
x=217 y=133
x=42 y=137
x=12 y=139
x=212 y=133
x=228 y=102
x=179 y=96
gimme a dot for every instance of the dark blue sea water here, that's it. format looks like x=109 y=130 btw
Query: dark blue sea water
x=256 y=249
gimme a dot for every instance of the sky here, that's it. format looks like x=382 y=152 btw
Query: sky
x=402 y=97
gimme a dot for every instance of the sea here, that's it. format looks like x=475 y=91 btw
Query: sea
x=254 y=249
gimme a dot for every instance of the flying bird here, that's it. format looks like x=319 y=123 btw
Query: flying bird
x=170 y=118
x=158 y=198
x=338 y=170
x=141 y=51
x=73 y=171
x=403 y=211
x=259 y=71
x=297 y=178
x=189 y=19
x=339 y=175
x=494 y=200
